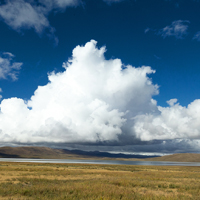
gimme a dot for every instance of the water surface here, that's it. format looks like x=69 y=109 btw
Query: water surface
x=107 y=162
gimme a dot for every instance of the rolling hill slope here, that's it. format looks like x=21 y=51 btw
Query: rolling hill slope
x=180 y=157
x=49 y=153
x=36 y=152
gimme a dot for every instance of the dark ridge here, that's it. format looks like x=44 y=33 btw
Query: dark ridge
x=45 y=152
x=3 y=155
x=105 y=154
x=48 y=153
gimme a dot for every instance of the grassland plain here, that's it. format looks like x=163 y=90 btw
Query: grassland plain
x=85 y=181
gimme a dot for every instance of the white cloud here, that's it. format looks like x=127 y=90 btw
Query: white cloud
x=20 y=14
x=8 y=68
x=147 y=30
x=171 y=102
x=197 y=36
x=178 y=29
x=174 y=122
x=93 y=100
x=31 y=14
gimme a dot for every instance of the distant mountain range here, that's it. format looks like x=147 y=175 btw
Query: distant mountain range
x=49 y=153
x=45 y=152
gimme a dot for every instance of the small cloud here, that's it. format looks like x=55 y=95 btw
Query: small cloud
x=197 y=36
x=112 y=1
x=23 y=14
x=147 y=30
x=178 y=29
x=8 y=68
x=1 y=95
x=171 y=102
x=8 y=54
x=157 y=57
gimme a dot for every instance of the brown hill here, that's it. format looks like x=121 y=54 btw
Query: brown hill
x=180 y=157
x=49 y=153
x=37 y=152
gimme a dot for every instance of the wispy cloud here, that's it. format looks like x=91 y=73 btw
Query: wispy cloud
x=197 y=36
x=8 y=68
x=0 y=92
x=147 y=30
x=177 y=29
x=112 y=1
x=31 y=14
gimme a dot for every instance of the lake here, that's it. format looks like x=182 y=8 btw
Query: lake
x=105 y=162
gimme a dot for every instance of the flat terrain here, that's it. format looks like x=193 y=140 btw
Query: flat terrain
x=84 y=181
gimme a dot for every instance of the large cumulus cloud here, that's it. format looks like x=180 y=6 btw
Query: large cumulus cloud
x=93 y=100
x=174 y=122
x=100 y=102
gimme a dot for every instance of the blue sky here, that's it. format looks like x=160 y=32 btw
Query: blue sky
x=38 y=36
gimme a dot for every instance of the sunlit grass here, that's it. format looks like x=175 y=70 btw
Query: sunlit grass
x=84 y=181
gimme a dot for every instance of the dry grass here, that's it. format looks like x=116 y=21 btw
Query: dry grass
x=179 y=157
x=84 y=181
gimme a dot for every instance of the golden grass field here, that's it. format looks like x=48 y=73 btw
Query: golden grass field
x=85 y=181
